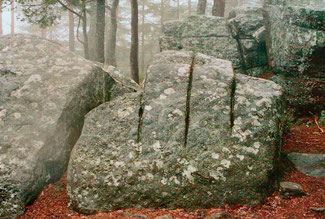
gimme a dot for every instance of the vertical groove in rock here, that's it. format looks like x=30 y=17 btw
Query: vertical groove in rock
x=232 y=103
x=141 y=110
x=240 y=49
x=188 y=100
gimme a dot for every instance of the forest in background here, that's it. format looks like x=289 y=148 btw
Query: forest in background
x=65 y=20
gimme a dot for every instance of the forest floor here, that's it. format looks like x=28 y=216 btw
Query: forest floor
x=303 y=137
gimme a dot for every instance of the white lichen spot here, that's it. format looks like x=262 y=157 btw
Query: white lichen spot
x=130 y=173
x=257 y=145
x=156 y=146
x=149 y=176
x=34 y=78
x=188 y=173
x=17 y=115
x=148 y=108
x=240 y=157
x=123 y=113
x=250 y=167
x=225 y=163
x=3 y=113
x=162 y=97
x=251 y=150
x=182 y=71
x=225 y=150
x=178 y=112
x=159 y=164
x=169 y=91
x=163 y=181
x=247 y=173
x=119 y=164
x=215 y=156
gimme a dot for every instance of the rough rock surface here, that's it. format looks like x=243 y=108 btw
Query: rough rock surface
x=240 y=39
x=296 y=48
x=296 y=30
x=45 y=91
x=309 y=164
x=247 y=26
x=198 y=134
x=204 y=34
x=289 y=189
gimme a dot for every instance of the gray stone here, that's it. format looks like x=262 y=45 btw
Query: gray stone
x=289 y=189
x=309 y=164
x=198 y=134
x=219 y=215
x=44 y=94
x=137 y=216
x=167 y=216
x=295 y=32
x=204 y=34
x=247 y=27
x=318 y=209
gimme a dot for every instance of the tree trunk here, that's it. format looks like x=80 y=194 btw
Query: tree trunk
x=84 y=30
x=177 y=9
x=201 y=7
x=111 y=47
x=100 y=31
x=218 y=8
x=71 y=32
x=162 y=10
x=1 y=26
x=134 y=59
x=12 y=17
x=142 y=38
x=92 y=31
x=189 y=7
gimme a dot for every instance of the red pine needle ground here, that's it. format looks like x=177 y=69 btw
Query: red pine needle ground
x=53 y=201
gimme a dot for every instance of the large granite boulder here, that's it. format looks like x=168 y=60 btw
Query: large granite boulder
x=296 y=49
x=204 y=34
x=198 y=134
x=45 y=91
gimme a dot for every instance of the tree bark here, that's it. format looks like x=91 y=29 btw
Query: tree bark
x=12 y=17
x=1 y=25
x=189 y=3
x=162 y=11
x=100 y=31
x=201 y=7
x=218 y=8
x=111 y=47
x=134 y=59
x=84 y=29
x=177 y=9
x=142 y=38
x=71 y=32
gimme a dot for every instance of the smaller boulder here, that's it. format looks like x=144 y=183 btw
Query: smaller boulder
x=219 y=215
x=289 y=189
x=167 y=216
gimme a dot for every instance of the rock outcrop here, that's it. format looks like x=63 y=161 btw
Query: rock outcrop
x=296 y=48
x=247 y=26
x=198 y=134
x=240 y=39
x=45 y=91
x=204 y=34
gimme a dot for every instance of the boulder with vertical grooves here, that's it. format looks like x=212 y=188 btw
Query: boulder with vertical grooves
x=205 y=137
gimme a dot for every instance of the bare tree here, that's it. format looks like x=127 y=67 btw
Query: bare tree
x=189 y=3
x=100 y=31
x=71 y=32
x=218 y=8
x=12 y=16
x=111 y=46
x=201 y=7
x=162 y=11
x=134 y=59
x=143 y=36
x=1 y=25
